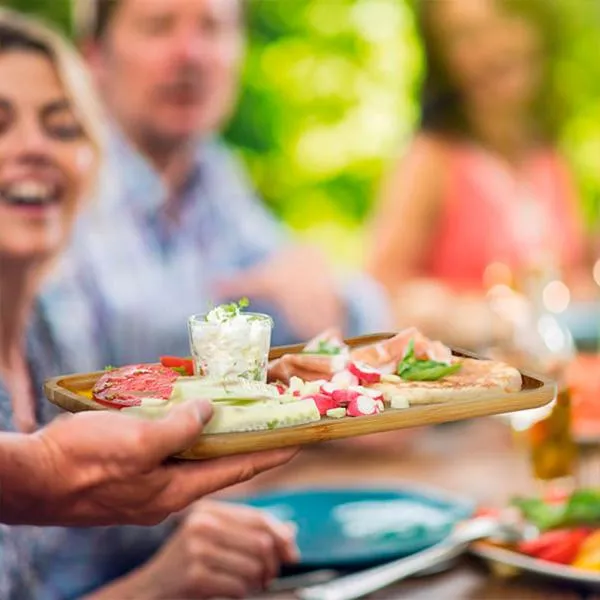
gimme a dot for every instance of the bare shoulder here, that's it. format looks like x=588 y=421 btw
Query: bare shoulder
x=557 y=160
x=427 y=156
x=435 y=146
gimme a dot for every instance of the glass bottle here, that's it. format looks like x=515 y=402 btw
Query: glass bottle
x=543 y=345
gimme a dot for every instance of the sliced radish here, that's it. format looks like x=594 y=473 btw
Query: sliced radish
x=380 y=405
x=344 y=397
x=364 y=372
x=362 y=406
x=329 y=388
x=378 y=397
x=344 y=379
x=340 y=361
x=281 y=388
x=323 y=402
x=375 y=394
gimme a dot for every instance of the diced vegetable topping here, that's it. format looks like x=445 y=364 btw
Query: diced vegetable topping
x=362 y=406
x=329 y=388
x=312 y=387
x=345 y=379
x=336 y=413
x=296 y=384
x=344 y=397
x=323 y=402
x=375 y=394
x=398 y=401
x=364 y=372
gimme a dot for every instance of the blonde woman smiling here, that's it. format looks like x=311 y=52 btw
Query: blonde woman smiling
x=48 y=153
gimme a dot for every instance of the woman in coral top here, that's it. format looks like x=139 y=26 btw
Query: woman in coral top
x=482 y=190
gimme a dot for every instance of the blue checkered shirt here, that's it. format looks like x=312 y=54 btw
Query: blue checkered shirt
x=131 y=278
x=60 y=563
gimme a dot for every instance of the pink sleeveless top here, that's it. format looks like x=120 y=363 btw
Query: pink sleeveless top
x=488 y=216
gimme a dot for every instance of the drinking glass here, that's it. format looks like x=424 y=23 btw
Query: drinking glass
x=236 y=348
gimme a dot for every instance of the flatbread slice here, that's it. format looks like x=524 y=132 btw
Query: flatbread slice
x=476 y=379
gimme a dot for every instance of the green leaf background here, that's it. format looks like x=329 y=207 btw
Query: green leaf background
x=329 y=100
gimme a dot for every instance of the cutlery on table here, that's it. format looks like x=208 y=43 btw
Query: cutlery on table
x=292 y=582
x=365 y=582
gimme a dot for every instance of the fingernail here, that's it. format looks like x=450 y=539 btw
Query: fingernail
x=205 y=411
x=291 y=528
x=286 y=529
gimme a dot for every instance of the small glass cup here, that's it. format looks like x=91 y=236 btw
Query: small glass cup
x=236 y=348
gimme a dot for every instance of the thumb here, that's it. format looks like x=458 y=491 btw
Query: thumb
x=178 y=429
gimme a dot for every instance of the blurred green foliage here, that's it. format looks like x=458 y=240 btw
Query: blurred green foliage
x=58 y=11
x=329 y=91
x=329 y=99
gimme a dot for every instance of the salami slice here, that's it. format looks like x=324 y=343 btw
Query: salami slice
x=128 y=385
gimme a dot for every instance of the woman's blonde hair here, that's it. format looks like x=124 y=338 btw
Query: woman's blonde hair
x=20 y=31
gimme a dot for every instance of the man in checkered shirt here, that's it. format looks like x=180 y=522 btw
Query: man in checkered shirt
x=176 y=225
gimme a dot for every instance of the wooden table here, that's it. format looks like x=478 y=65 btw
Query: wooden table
x=478 y=459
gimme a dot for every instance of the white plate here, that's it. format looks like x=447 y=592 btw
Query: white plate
x=526 y=564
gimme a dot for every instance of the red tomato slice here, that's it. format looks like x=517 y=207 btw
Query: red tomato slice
x=180 y=364
x=558 y=546
x=128 y=385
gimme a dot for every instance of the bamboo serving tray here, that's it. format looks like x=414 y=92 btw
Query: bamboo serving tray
x=72 y=393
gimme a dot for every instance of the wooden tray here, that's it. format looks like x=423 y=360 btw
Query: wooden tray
x=68 y=392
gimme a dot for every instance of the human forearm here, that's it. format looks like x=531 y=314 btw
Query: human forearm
x=137 y=584
x=21 y=488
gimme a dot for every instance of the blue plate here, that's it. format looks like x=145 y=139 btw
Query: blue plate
x=351 y=527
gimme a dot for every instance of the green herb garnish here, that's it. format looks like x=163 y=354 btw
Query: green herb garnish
x=228 y=311
x=110 y=368
x=326 y=348
x=234 y=308
x=273 y=424
x=412 y=369
x=582 y=508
